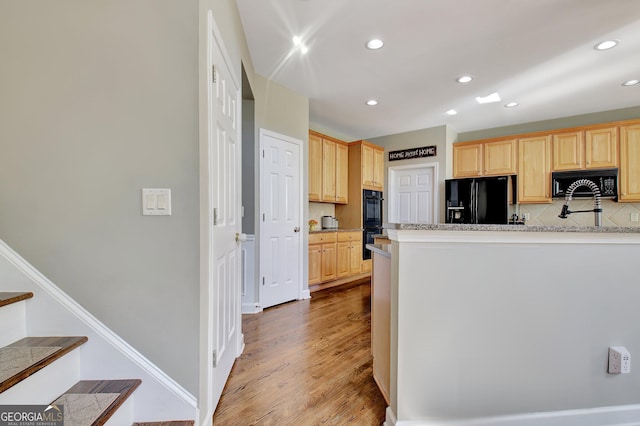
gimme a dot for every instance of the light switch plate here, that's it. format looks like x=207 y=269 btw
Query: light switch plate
x=156 y=202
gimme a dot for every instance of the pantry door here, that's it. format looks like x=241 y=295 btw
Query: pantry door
x=413 y=194
x=280 y=221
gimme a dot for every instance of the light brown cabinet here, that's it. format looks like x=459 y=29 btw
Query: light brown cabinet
x=534 y=169
x=322 y=257
x=328 y=169
x=585 y=149
x=629 y=173
x=467 y=160
x=315 y=167
x=494 y=158
x=372 y=167
x=349 y=254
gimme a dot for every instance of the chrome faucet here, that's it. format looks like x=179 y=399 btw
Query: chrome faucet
x=597 y=204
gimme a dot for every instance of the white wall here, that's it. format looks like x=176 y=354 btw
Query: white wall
x=497 y=324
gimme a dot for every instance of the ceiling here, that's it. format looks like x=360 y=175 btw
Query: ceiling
x=539 y=53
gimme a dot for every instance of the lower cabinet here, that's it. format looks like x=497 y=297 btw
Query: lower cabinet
x=334 y=255
x=349 y=257
x=322 y=257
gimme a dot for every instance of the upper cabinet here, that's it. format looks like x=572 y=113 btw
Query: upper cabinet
x=372 y=167
x=630 y=163
x=328 y=169
x=485 y=158
x=534 y=166
x=595 y=148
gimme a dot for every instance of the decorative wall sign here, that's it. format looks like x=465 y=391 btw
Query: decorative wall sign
x=405 y=154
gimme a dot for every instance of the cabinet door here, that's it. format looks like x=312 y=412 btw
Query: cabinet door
x=367 y=165
x=378 y=168
x=315 y=168
x=315 y=263
x=342 y=174
x=356 y=257
x=500 y=157
x=630 y=163
x=328 y=262
x=568 y=152
x=534 y=170
x=467 y=160
x=328 y=171
x=601 y=148
x=342 y=259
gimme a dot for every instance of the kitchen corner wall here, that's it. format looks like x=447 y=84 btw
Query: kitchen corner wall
x=613 y=214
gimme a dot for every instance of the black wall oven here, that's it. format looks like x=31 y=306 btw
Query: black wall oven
x=371 y=218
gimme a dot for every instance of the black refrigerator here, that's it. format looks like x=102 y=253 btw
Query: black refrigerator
x=480 y=200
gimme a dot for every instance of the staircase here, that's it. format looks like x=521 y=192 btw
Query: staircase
x=54 y=368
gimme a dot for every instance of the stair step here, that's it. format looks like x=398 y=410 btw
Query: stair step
x=8 y=297
x=26 y=356
x=93 y=402
x=169 y=423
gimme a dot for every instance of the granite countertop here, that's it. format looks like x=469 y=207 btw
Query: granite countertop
x=383 y=249
x=319 y=231
x=512 y=228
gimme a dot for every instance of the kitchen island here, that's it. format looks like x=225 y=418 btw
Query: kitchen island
x=511 y=325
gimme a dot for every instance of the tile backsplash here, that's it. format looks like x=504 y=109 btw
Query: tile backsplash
x=317 y=210
x=613 y=214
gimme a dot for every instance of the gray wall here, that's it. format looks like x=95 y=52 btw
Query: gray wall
x=437 y=136
x=100 y=99
x=558 y=123
x=280 y=110
x=513 y=330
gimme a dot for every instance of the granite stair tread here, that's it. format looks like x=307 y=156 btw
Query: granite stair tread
x=26 y=356
x=9 y=297
x=93 y=402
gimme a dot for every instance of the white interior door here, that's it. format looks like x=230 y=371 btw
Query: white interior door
x=280 y=227
x=413 y=195
x=220 y=162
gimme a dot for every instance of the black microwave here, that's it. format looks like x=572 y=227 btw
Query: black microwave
x=605 y=179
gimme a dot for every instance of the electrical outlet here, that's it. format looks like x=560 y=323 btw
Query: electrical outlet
x=619 y=360
x=634 y=217
x=525 y=216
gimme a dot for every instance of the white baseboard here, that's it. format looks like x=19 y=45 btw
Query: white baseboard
x=390 y=417
x=251 y=308
x=305 y=294
x=623 y=415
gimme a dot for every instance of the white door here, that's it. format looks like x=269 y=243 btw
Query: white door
x=413 y=195
x=220 y=163
x=280 y=227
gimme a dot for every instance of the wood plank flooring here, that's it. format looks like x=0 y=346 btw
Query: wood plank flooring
x=306 y=363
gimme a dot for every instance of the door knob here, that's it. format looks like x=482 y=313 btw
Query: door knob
x=241 y=237
x=296 y=229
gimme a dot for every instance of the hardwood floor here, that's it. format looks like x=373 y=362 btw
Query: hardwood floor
x=306 y=363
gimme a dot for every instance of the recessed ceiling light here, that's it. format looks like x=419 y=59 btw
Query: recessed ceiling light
x=372 y=102
x=631 y=83
x=464 y=79
x=297 y=40
x=494 y=97
x=604 y=45
x=374 y=44
x=511 y=105
x=452 y=112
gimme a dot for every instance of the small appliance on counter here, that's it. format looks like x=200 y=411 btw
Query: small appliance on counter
x=329 y=222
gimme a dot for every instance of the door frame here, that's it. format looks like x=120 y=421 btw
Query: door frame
x=301 y=293
x=210 y=37
x=392 y=171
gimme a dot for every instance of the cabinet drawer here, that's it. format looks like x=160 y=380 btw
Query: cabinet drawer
x=322 y=237
x=349 y=236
